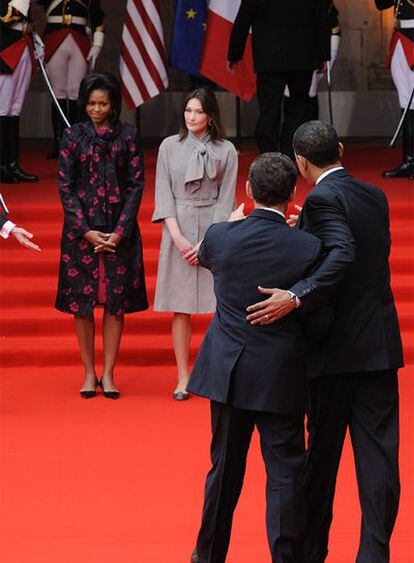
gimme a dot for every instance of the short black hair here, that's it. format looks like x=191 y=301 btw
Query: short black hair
x=318 y=142
x=101 y=81
x=272 y=177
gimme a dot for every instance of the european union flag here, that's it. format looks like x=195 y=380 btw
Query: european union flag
x=188 y=35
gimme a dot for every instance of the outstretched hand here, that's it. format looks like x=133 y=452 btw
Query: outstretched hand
x=237 y=214
x=266 y=312
x=293 y=219
x=23 y=236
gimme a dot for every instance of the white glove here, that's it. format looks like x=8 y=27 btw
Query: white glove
x=335 y=41
x=93 y=55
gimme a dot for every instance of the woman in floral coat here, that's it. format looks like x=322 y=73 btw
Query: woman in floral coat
x=100 y=184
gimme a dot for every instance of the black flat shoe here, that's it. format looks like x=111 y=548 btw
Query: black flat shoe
x=181 y=396
x=109 y=394
x=89 y=394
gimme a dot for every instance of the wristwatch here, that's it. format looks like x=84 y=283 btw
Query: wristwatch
x=294 y=299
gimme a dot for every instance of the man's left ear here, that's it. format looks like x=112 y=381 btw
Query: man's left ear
x=302 y=163
x=341 y=150
x=249 y=192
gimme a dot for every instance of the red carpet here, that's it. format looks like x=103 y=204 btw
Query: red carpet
x=122 y=482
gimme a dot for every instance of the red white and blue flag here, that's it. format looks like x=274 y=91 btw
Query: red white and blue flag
x=220 y=19
x=142 y=65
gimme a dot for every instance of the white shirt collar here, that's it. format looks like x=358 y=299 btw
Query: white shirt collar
x=322 y=176
x=274 y=210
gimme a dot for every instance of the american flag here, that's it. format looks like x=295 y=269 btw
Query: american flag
x=142 y=64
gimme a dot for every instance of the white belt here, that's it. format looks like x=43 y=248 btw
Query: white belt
x=67 y=19
x=406 y=24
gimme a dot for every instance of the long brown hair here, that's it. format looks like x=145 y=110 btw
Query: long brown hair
x=210 y=106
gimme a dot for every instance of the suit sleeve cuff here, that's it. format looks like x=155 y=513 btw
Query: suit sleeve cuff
x=7 y=229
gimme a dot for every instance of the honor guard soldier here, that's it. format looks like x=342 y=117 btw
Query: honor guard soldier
x=16 y=65
x=74 y=36
x=402 y=70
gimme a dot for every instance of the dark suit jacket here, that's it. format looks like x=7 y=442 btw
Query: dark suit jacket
x=352 y=218
x=3 y=219
x=253 y=367
x=286 y=34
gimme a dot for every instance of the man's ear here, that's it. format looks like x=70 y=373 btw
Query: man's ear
x=292 y=195
x=341 y=150
x=302 y=163
x=249 y=192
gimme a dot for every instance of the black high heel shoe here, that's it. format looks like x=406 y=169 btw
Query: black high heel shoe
x=109 y=394
x=89 y=394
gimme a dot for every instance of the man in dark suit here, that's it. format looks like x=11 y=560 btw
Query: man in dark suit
x=255 y=376
x=290 y=40
x=353 y=374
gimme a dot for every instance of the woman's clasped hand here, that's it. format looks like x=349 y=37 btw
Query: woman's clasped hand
x=102 y=242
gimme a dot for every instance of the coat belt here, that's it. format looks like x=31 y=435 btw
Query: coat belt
x=196 y=202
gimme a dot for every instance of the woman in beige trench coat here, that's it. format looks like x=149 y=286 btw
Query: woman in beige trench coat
x=194 y=187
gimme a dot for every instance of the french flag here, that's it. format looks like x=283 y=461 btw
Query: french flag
x=220 y=18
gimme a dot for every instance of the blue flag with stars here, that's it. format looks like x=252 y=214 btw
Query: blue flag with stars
x=188 y=35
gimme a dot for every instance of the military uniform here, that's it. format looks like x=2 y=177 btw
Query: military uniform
x=74 y=36
x=401 y=61
x=16 y=65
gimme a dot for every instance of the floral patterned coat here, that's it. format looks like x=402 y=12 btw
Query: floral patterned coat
x=100 y=184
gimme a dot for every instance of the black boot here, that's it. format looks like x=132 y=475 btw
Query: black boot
x=313 y=108
x=58 y=127
x=6 y=176
x=406 y=168
x=14 y=153
x=73 y=111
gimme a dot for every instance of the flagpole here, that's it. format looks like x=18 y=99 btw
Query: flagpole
x=238 y=124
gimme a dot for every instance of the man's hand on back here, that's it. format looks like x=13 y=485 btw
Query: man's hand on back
x=277 y=306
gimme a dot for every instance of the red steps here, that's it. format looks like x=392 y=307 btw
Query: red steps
x=29 y=281
x=143 y=350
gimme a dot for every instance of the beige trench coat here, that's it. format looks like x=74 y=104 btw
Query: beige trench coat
x=195 y=183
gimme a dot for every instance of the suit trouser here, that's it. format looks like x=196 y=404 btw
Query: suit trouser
x=367 y=403
x=270 y=94
x=283 y=450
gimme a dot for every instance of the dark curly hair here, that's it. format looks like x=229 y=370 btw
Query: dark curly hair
x=272 y=176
